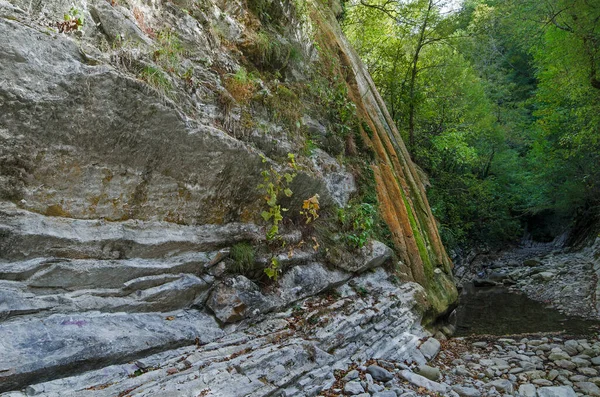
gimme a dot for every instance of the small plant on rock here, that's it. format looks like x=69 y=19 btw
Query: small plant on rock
x=273 y=270
x=156 y=78
x=358 y=221
x=241 y=85
x=243 y=255
x=73 y=21
x=274 y=184
x=310 y=208
x=169 y=52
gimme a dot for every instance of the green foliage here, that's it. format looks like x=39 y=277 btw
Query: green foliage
x=243 y=255
x=241 y=85
x=340 y=110
x=284 y=106
x=276 y=184
x=273 y=270
x=500 y=109
x=76 y=16
x=156 y=78
x=273 y=52
x=72 y=21
x=358 y=223
x=169 y=53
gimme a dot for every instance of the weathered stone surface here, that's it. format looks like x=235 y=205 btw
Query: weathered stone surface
x=302 y=281
x=464 y=391
x=15 y=300
x=84 y=273
x=238 y=362
x=527 y=390
x=117 y=26
x=501 y=384
x=27 y=234
x=430 y=373
x=372 y=255
x=556 y=391
x=380 y=374
x=385 y=393
x=588 y=388
x=421 y=381
x=116 y=191
x=430 y=348
x=35 y=349
x=353 y=388
x=237 y=298
x=338 y=181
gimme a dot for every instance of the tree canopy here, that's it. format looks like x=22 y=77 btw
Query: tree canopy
x=499 y=104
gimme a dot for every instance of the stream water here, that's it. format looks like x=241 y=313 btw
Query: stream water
x=497 y=311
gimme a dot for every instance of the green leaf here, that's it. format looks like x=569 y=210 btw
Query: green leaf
x=288 y=192
x=266 y=215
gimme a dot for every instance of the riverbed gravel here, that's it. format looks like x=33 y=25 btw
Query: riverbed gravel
x=531 y=366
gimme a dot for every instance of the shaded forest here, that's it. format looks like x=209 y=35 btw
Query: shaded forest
x=498 y=101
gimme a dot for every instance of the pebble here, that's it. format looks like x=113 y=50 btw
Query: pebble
x=353 y=388
x=464 y=391
x=588 y=388
x=379 y=373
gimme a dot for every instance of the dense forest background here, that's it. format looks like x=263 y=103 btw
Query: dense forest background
x=498 y=101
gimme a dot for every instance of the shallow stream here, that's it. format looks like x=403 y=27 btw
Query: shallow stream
x=498 y=311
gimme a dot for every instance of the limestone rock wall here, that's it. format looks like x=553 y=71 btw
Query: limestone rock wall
x=131 y=151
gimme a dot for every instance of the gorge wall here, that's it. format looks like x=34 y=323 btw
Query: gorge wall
x=147 y=150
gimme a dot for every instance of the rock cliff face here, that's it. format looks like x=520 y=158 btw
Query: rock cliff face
x=133 y=147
